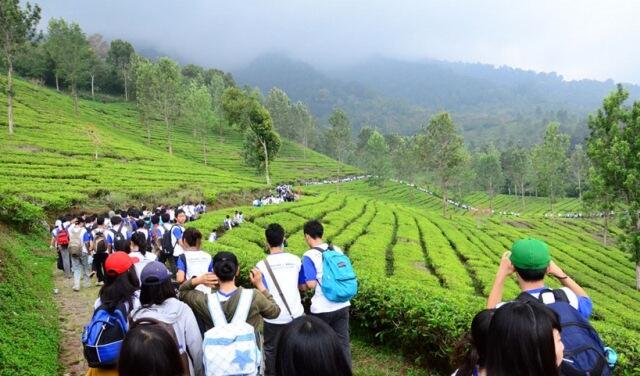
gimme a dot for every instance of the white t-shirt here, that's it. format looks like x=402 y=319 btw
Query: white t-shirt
x=143 y=260
x=312 y=264
x=145 y=232
x=177 y=230
x=213 y=237
x=287 y=270
x=84 y=236
x=197 y=264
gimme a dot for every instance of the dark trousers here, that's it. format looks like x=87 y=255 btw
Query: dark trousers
x=164 y=257
x=339 y=321
x=272 y=334
x=98 y=265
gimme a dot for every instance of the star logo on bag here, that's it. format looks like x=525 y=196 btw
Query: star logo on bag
x=242 y=358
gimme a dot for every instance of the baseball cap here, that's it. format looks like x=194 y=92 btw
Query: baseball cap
x=118 y=263
x=154 y=273
x=530 y=254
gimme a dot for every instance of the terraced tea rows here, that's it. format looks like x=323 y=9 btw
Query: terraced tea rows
x=423 y=277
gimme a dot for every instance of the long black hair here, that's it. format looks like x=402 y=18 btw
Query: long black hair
x=140 y=240
x=309 y=347
x=149 y=350
x=119 y=289
x=471 y=350
x=521 y=341
x=156 y=294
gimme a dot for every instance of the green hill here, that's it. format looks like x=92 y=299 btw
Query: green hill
x=51 y=159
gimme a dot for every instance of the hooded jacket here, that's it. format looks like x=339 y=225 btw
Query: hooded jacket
x=180 y=316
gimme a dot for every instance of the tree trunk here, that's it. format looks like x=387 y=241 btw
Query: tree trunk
x=580 y=187
x=605 y=232
x=57 y=83
x=126 y=84
x=266 y=161
x=444 y=200
x=166 y=121
x=10 y=96
x=490 y=195
x=304 y=151
x=522 y=192
x=638 y=276
x=204 y=149
x=74 y=93
x=148 y=126
x=96 y=154
x=93 y=94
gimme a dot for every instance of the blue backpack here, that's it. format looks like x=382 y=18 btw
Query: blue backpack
x=339 y=283
x=103 y=335
x=584 y=353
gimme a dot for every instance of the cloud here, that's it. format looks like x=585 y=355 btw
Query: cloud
x=586 y=39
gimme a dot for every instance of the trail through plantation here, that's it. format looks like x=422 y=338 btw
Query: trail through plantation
x=74 y=309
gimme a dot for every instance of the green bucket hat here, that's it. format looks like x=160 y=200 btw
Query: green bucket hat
x=530 y=254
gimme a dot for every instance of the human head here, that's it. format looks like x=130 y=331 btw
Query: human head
x=524 y=339
x=181 y=217
x=139 y=240
x=155 y=219
x=166 y=217
x=156 y=285
x=225 y=266
x=116 y=220
x=308 y=346
x=140 y=223
x=137 y=360
x=193 y=237
x=472 y=349
x=313 y=231
x=79 y=221
x=530 y=257
x=275 y=235
x=120 y=280
x=100 y=221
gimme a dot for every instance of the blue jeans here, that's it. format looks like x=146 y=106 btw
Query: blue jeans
x=81 y=268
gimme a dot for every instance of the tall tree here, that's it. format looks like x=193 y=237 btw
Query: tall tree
x=579 y=167
x=306 y=125
x=17 y=27
x=261 y=143
x=376 y=157
x=145 y=76
x=550 y=162
x=215 y=84
x=281 y=110
x=72 y=56
x=338 y=137
x=198 y=113
x=100 y=49
x=166 y=92
x=489 y=173
x=613 y=147
x=443 y=152
x=521 y=168
x=120 y=57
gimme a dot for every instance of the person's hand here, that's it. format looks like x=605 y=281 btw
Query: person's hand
x=555 y=270
x=506 y=267
x=207 y=279
x=256 y=278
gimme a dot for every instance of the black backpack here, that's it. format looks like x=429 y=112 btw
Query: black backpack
x=584 y=353
x=167 y=244
x=119 y=240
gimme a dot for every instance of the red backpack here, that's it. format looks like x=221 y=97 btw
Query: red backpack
x=62 y=237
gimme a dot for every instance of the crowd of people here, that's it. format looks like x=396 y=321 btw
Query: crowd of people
x=283 y=193
x=336 y=181
x=186 y=304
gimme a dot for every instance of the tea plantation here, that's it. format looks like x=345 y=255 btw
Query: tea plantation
x=422 y=276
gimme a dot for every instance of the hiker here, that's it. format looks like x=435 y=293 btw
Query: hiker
x=470 y=352
x=61 y=243
x=193 y=262
x=166 y=243
x=336 y=314
x=530 y=260
x=176 y=235
x=118 y=234
x=281 y=273
x=79 y=240
x=137 y=360
x=158 y=299
x=213 y=236
x=120 y=292
x=99 y=248
x=228 y=223
x=524 y=339
x=225 y=271
x=309 y=347
x=155 y=232
x=140 y=251
x=141 y=228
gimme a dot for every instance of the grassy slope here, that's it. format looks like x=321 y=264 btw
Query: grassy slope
x=50 y=158
x=28 y=316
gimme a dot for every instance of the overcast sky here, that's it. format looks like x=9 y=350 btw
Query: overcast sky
x=597 y=39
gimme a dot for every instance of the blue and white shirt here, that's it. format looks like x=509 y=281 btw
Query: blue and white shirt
x=287 y=269
x=312 y=269
x=582 y=304
x=176 y=235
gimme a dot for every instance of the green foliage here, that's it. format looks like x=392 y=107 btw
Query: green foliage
x=120 y=57
x=28 y=316
x=376 y=158
x=614 y=147
x=338 y=137
x=488 y=169
x=550 y=162
x=19 y=213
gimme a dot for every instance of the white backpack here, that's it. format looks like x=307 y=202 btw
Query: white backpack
x=231 y=348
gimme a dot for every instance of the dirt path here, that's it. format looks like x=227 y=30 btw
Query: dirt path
x=75 y=310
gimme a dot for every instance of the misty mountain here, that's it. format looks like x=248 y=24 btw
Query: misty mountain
x=490 y=104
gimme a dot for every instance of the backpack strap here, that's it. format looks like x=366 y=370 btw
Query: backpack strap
x=243 y=307
x=171 y=234
x=215 y=310
x=275 y=282
x=525 y=297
